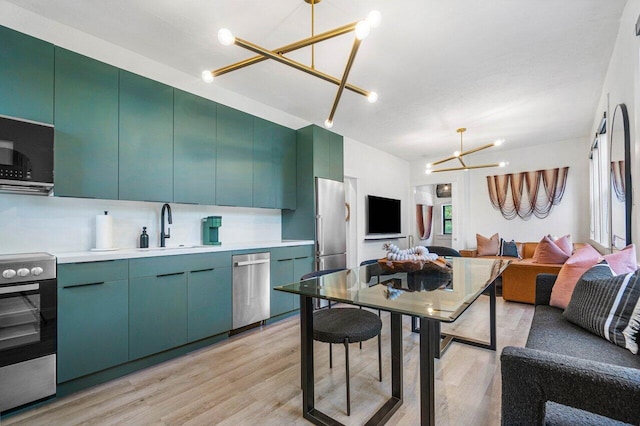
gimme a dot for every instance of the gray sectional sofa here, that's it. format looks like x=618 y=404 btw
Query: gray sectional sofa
x=567 y=376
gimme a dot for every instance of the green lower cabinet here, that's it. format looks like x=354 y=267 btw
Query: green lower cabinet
x=93 y=330
x=157 y=314
x=209 y=303
x=302 y=266
x=281 y=273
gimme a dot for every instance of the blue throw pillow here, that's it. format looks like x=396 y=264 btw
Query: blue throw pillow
x=508 y=248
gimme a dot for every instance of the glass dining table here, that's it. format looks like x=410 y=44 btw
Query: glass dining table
x=430 y=296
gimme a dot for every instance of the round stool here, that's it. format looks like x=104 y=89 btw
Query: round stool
x=346 y=325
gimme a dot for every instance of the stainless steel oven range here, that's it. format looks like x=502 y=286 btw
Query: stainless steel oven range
x=28 y=324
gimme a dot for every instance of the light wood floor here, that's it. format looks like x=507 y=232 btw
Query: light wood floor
x=254 y=379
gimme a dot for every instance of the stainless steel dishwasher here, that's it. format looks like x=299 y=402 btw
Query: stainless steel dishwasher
x=251 y=289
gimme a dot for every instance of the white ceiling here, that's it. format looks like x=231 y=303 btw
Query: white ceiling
x=527 y=71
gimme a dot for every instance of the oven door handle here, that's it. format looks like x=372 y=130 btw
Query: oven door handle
x=19 y=288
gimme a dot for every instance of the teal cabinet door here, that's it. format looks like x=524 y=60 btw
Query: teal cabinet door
x=209 y=303
x=264 y=157
x=157 y=314
x=26 y=77
x=281 y=273
x=93 y=328
x=285 y=167
x=336 y=171
x=234 y=164
x=146 y=139
x=302 y=266
x=194 y=149
x=86 y=127
x=322 y=153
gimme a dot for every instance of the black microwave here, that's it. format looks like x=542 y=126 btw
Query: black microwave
x=26 y=157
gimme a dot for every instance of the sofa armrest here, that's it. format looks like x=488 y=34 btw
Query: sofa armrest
x=544 y=285
x=532 y=377
x=469 y=253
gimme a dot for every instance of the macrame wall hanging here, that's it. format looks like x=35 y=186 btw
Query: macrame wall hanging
x=617 y=179
x=424 y=217
x=507 y=192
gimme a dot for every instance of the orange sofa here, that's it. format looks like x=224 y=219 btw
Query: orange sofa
x=519 y=279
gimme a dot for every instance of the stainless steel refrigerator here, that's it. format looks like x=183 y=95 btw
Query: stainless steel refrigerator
x=331 y=227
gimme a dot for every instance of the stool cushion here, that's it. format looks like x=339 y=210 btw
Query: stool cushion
x=337 y=324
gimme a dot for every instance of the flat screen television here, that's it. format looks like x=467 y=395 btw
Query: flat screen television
x=383 y=215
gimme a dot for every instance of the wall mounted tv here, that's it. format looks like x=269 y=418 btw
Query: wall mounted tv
x=383 y=215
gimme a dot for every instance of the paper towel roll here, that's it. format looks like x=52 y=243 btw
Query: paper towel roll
x=104 y=231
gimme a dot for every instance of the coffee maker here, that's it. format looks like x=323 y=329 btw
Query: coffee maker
x=210 y=227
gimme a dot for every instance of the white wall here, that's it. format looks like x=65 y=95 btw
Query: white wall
x=382 y=174
x=622 y=85
x=473 y=210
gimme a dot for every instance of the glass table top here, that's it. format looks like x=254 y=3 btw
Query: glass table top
x=429 y=293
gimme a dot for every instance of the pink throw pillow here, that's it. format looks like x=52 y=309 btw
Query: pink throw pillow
x=564 y=243
x=488 y=246
x=548 y=251
x=623 y=261
x=583 y=259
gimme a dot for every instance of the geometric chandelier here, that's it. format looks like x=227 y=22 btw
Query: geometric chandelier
x=459 y=155
x=361 y=29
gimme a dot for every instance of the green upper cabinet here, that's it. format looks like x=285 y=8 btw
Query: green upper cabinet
x=274 y=165
x=336 y=164
x=26 y=77
x=327 y=154
x=194 y=149
x=86 y=127
x=285 y=167
x=146 y=139
x=234 y=167
x=264 y=144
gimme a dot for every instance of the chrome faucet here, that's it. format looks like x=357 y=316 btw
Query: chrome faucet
x=164 y=236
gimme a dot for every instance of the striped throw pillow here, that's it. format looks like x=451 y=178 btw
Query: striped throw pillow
x=609 y=308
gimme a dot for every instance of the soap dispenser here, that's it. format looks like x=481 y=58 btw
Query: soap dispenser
x=144 y=238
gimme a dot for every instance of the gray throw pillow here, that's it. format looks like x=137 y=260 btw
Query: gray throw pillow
x=608 y=307
x=508 y=248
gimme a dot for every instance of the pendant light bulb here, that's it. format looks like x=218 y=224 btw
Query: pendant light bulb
x=328 y=123
x=502 y=164
x=374 y=17
x=225 y=37
x=428 y=171
x=456 y=154
x=373 y=97
x=498 y=142
x=207 y=76
x=362 y=30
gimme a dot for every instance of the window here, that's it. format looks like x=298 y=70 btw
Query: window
x=447 y=219
x=599 y=186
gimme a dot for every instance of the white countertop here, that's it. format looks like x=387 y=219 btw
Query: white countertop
x=132 y=253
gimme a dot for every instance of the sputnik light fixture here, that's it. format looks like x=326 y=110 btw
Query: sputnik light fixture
x=460 y=154
x=360 y=28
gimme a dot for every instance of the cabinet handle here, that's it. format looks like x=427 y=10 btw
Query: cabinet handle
x=83 y=285
x=302 y=257
x=202 y=270
x=283 y=260
x=169 y=275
